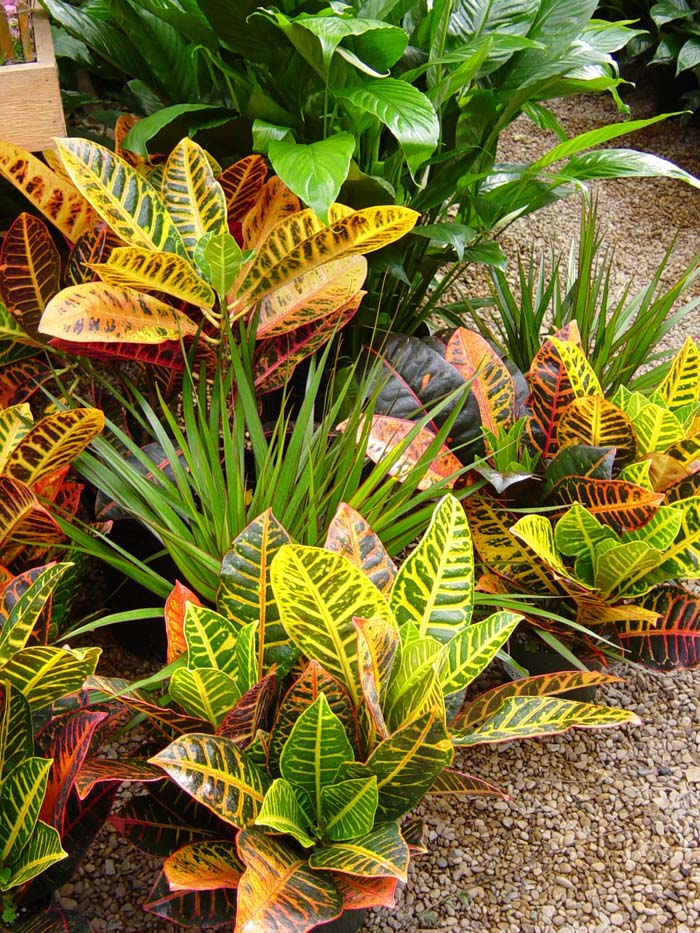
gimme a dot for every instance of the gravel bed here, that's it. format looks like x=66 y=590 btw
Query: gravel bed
x=601 y=830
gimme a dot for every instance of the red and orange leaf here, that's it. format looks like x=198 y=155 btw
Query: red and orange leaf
x=595 y=422
x=450 y=781
x=275 y=202
x=377 y=641
x=167 y=355
x=251 y=713
x=204 y=866
x=97 y=770
x=621 y=505
x=202 y=910
x=673 y=641
x=278 y=890
x=363 y=893
x=242 y=183
x=168 y=721
x=350 y=534
x=94 y=246
x=30 y=270
x=20 y=380
x=96 y=312
x=491 y=382
x=55 y=197
x=23 y=520
x=175 y=606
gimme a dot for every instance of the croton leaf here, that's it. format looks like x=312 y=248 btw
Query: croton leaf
x=175 y=606
x=41 y=851
x=55 y=197
x=53 y=442
x=316 y=748
x=196 y=909
x=274 y=203
x=471 y=650
x=112 y=313
x=22 y=517
x=217 y=774
x=204 y=692
x=464 y=785
x=211 y=639
x=44 y=674
x=20 y=379
x=21 y=795
x=435 y=586
x=521 y=717
x=593 y=421
x=124 y=124
x=251 y=713
x=349 y=807
x=282 y=812
x=491 y=382
x=318 y=594
x=579 y=460
x=621 y=505
x=681 y=384
x=123 y=198
x=193 y=198
x=16 y=735
x=166 y=720
x=94 y=246
x=245 y=592
x=99 y=770
x=377 y=641
x=536 y=532
x=360 y=893
x=23 y=613
x=671 y=640
x=30 y=270
x=350 y=534
x=242 y=183
x=204 y=866
x=278 y=890
x=138 y=268
x=379 y=854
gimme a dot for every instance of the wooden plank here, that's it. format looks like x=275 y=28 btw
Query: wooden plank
x=30 y=96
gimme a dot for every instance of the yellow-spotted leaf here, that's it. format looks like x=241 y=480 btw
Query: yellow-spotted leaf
x=278 y=889
x=14 y=424
x=595 y=422
x=316 y=748
x=406 y=764
x=274 y=203
x=241 y=184
x=638 y=473
x=414 y=688
x=491 y=382
x=661 y=530
x=349 y=807
x=282 y=813
x=204 y=866
x=681 y=385
x=435 y=586
x=43 y=850
x=217 y=774
x=30 y=270
x=379 y=854
x=94 y=246
x=470 y=651
x=53 y=443
x=521 y=717
x=192 y=196
x=112 y=314
x=210 y=638
x=360 y=232
x=309 y=297
x=204 y=692
x=45 y=674
x=502 y=552
x=682 y=558
x=318 y=594
x=55 y=197
x=535 y=531
x=165 y=272
x=21 y=797
x=350 y=534
x=124 y=199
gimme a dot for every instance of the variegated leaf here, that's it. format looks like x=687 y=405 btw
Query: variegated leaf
x=279 y=891
x=682 y=558
x=138 y=268
x=491 y=382
x=112 y=313
x=191 y=195
x=681 y=385
x=671 y=639
x=282 y=813
x=470 y=651
x=166 y=720
x=93 y=247
x=45 y=674
x=616 y=565
x=377 y=641
x=523 y=717
x=535 y=531
x=174 y=612
x=204 y=692
x=18 y=624
x=415 y=688
x=52 y=443
x=96 y=771
x=203 y=909
x=57 y=199
x=124 y=199
x=361 y=893
x=593 y=421
x=16 y=734
x=204 y=866
x=435 y=586
x=30 y=270
x=657 y=428
x=43 y=850
x=21 y=796
x=578 y=533
x=621 y=505
x=22 y=517
x=15 y=422
x=379 y=854
x=349 y=807
x=464 y=785
x=274 y=203
x=217 y=774
x=349 y=534
x=211 y=639
x=242 y=183
x=123 y=126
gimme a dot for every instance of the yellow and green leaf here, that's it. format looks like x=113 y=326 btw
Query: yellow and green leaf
x=30 y=270
x=21 y=796
x=282 y=813
x=351 y=535
x=210 y=638
x=52 y=443
x=379 y=854
x=43 y=850
x=491 y=382
x=138 y=268
x=470 y=651
x=681 y=385
x=45 y=674
x=595 y=422
x=204 y=692
x=193 y=198
x=349 y=807
x=204 y=866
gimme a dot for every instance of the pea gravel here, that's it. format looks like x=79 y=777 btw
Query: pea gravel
x=601 y=830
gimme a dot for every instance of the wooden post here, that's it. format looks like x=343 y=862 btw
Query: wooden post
x=30 y=96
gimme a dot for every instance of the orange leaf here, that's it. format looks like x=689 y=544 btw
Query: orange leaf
x=175 y=606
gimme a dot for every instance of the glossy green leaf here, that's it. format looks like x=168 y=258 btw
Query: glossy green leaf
x=43 y=850
x=470 y=651
x=381 y=853
x=681 y=385
x=314 y=171
x=45 y=674
x=24 y=614
x=16 y=734
x=218 y=256
x=349 y=807
x=204 y=692
x=282 y=813
x=211 y=639
x=21 y=796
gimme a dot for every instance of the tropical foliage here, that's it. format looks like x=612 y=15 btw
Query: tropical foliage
x=309 y=712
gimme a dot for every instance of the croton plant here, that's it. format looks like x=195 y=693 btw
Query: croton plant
x=308 y=713
x=591 y=502
x=166 y=251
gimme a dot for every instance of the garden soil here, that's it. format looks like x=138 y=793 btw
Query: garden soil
x=601 y=829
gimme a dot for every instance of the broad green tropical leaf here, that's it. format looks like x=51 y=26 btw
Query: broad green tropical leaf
x=381 y=853
x=578 y=533
x=124 y=199
x=218 y=257
x=657 y=428
x=414 y=688
x=491 y=382
x=318 y=594
x=113 y=313
x=204 y=866
x=349 y=807
x=349 y=534
x=536 y=532
x=435 y=586
x=315 y=171
x=616 y=563
x=16 y=734
x=282 y=812
x=43 y=850
x=471 y=650
x=682 y=558
x=55 y=197
x=204 y=692
x=278 y=889
x=21 y=796
x=19 y=623
x=31 y=270
x=192 y=196
x=52 y=443
x=134 y=267
x=316 y=748
x=217 y=774
x=523 y=717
